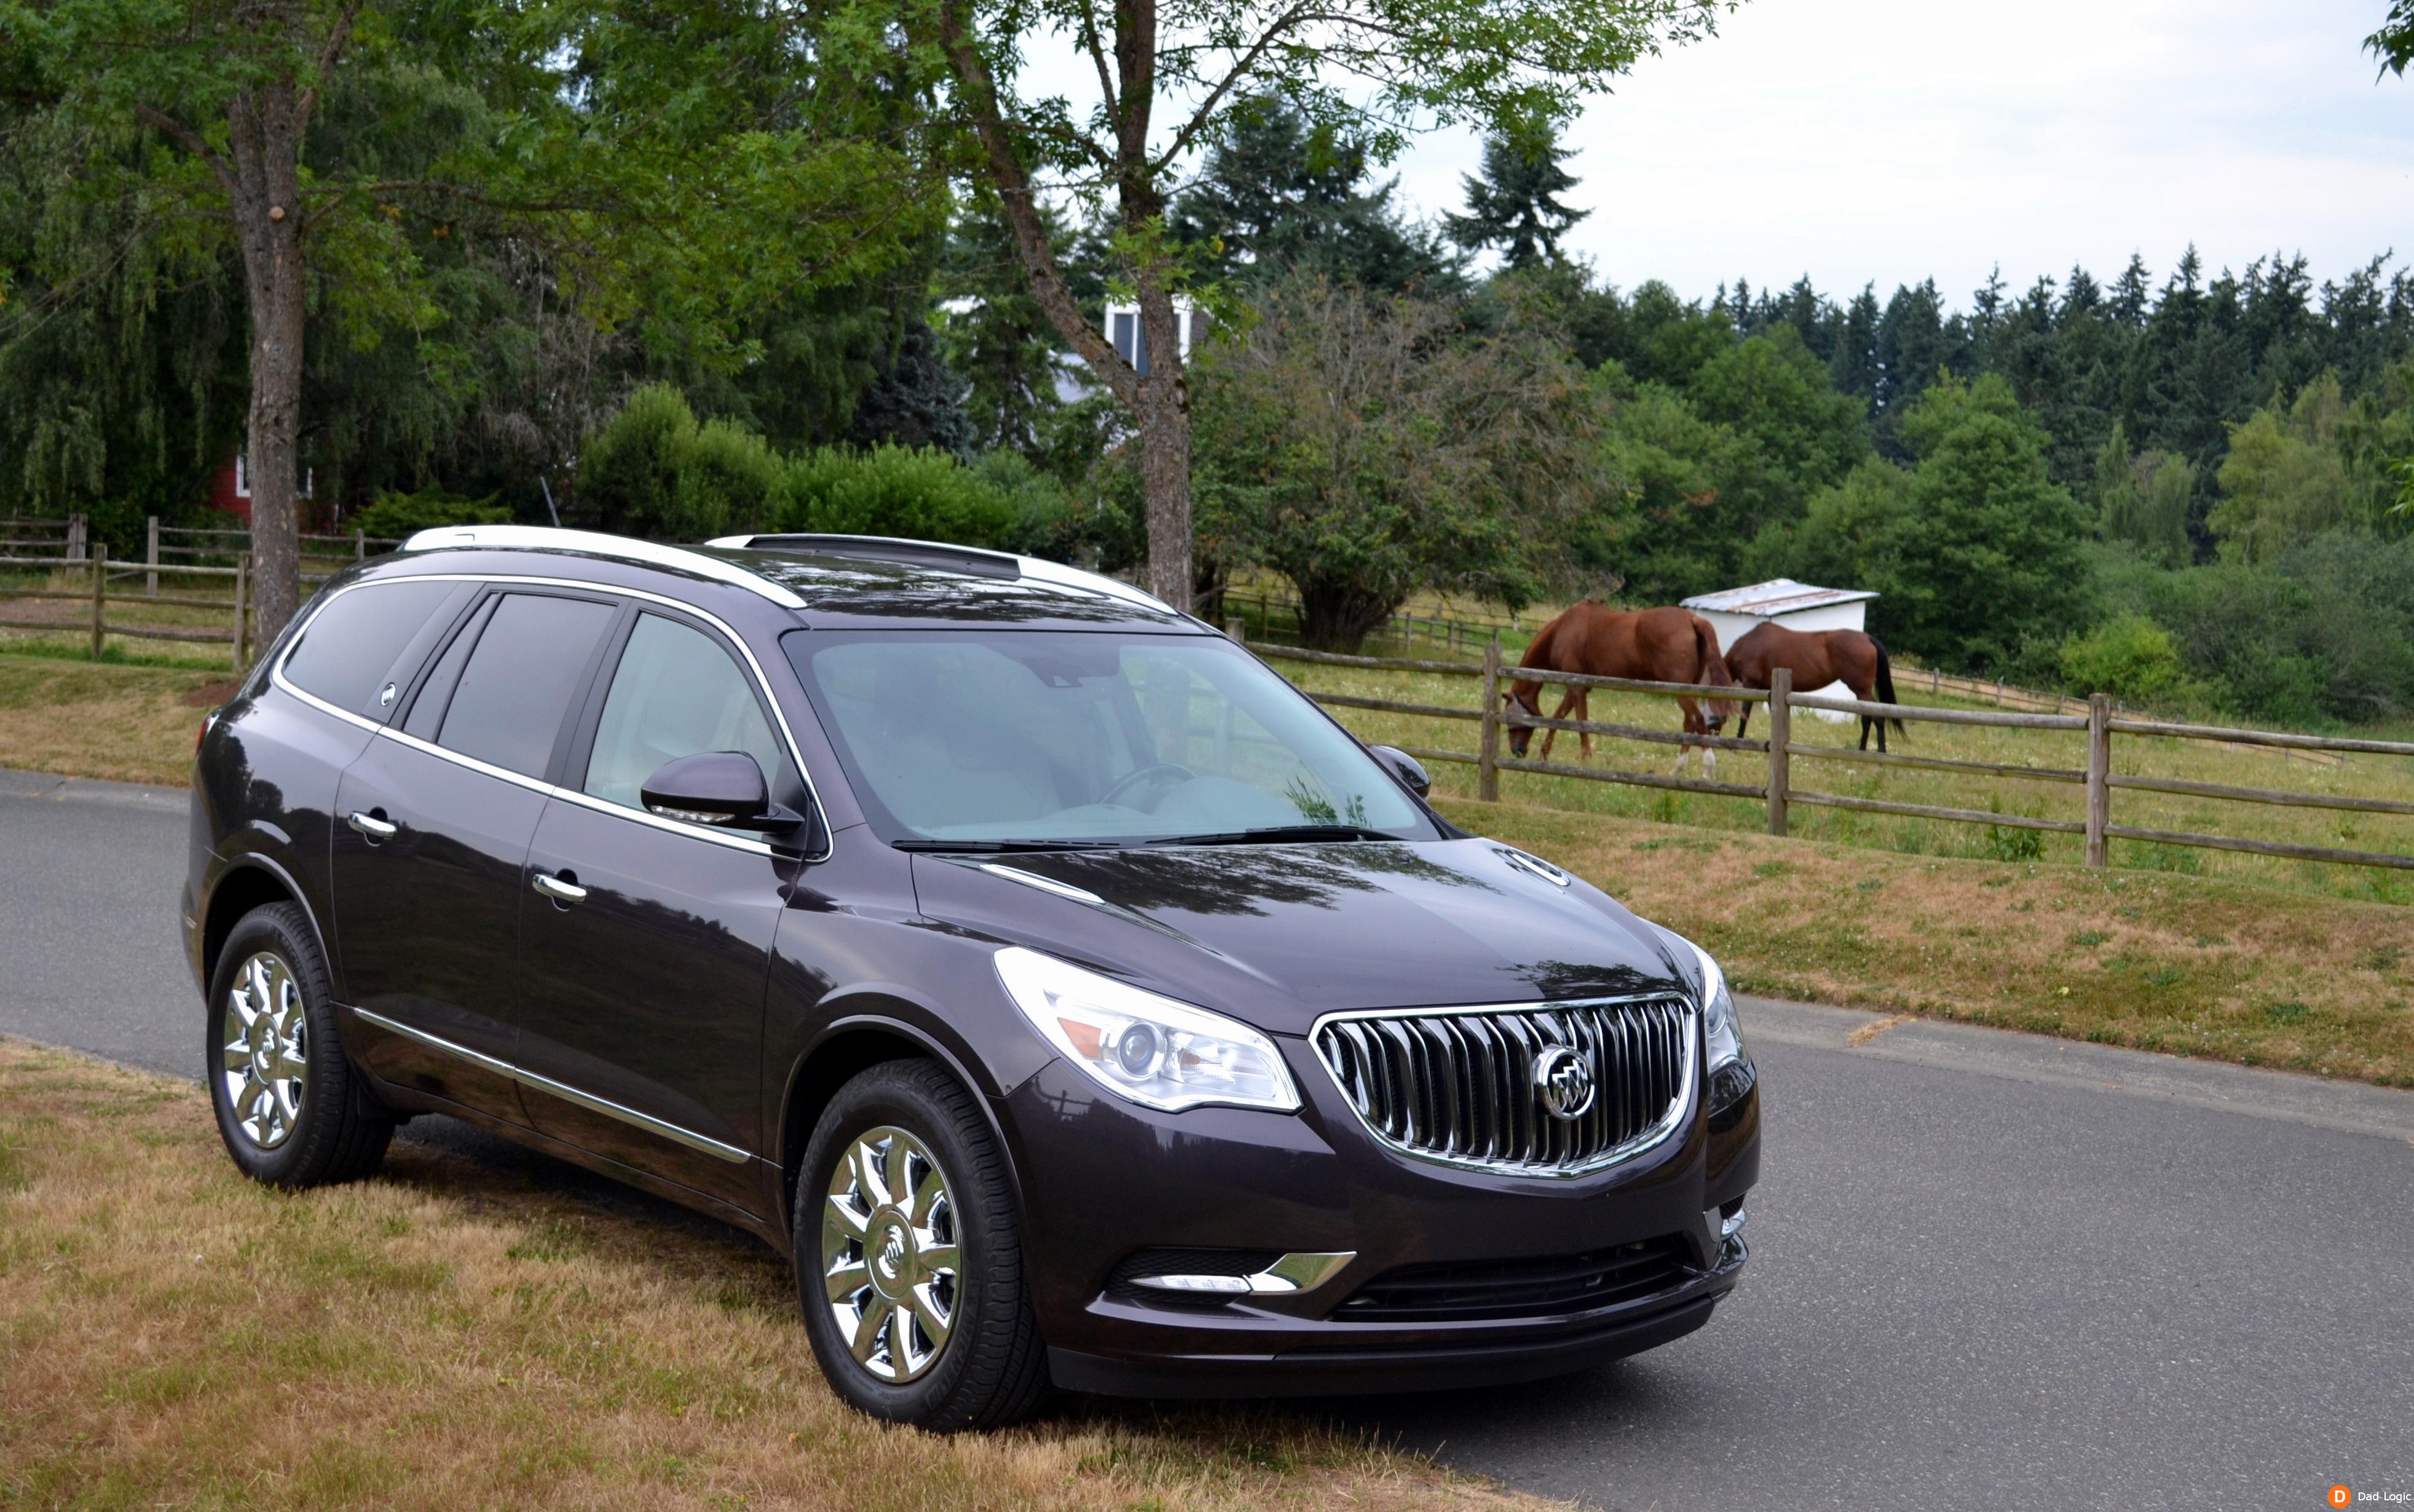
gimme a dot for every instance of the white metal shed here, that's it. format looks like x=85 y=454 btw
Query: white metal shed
x=1797 y=607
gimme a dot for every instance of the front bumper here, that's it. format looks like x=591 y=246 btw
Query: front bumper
x=1103 y=1179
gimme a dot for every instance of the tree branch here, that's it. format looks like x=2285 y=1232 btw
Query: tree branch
x=191 y=141
x=1022 y=210
x=1240 y=70
x=1097 y=56
x=339 y=36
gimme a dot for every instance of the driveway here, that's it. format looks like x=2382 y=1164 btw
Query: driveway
x=1989 y=1270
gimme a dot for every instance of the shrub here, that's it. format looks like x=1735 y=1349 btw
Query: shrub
x=2131 y=658
x=399 y=514
x=921 y=492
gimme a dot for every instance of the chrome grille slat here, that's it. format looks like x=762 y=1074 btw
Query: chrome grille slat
x=1454 y=1085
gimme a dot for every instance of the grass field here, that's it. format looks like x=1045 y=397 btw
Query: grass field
x=445 y=1335
x=125 y=723
x=2201 y=952
x=2199 y=966
x=2382 y=777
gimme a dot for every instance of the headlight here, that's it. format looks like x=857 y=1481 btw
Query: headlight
x=1721 y=1033
x=1137 y=1045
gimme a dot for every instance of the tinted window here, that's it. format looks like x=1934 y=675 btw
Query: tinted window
x=676 y=692
x=346 y=652
x=520 y=678
x=1047 y=735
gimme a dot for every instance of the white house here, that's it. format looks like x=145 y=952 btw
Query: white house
x=1797 y=607
x=1122 y=329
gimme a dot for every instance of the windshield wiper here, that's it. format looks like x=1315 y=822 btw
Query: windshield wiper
x=1280 y=834
x=1005 y=845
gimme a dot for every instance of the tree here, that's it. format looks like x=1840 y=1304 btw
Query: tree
x=1280 y=194
x=668 y=163
x=1366 y=447
x=1374 y=67
x=1515 y=204
x=2394 y=43
x=2283 y=480
x=2144 y=499
x=1975 y=551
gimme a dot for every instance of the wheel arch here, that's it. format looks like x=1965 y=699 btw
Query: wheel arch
x=846 y=1047
x=248 y=883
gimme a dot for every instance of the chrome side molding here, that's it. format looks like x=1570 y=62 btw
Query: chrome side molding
x=568 y=1094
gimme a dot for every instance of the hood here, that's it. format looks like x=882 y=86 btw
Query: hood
x=1276 y=935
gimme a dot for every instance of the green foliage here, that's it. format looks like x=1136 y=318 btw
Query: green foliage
x=1281 y=195
x=2143 y=500
x=2284 y=479
x=1517 y=203
x=2131 y=658
x=923 y=494
x=1365 y=448
x=655 y=471
x=2394 y=43
x=394 y=515
x=1975 y=551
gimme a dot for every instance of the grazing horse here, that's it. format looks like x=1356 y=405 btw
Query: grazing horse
x=1816 y=658
x=1664 y=645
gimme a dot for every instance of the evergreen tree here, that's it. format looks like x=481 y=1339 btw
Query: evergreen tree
x=1282 y=194
x=1516 y=205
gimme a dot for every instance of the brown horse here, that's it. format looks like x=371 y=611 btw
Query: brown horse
x=1665 y=646
x=1816 y=658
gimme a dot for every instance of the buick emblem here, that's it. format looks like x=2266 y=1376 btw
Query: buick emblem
x=1563 y=1081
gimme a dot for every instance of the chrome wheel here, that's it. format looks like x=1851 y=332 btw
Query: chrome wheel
x=891 y=1254
x=264 y=1059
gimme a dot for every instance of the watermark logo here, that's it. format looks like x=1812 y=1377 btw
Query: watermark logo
x=2341 y=1497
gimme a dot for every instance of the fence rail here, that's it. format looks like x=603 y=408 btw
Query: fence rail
x=1494 y=714
x=98 y=569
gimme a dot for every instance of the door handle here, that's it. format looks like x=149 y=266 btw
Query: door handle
x=372 y=826
x=560 y=889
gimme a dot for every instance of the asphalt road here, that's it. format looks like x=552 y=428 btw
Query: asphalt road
x=1989 y=1270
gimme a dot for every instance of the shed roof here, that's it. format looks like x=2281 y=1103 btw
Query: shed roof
x=1778 y=596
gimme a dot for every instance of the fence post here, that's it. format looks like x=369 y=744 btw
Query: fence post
x=360 y=544
x=99 y=592
x=1781 y=734
x=1236 y=630
x=1487 y=761
x=241 y=587
x=2099 y=773
x=74 y=551
x=151 y=560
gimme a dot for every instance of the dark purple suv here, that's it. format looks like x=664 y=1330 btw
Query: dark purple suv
x=1067 y=994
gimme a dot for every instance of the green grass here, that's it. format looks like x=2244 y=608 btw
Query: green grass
x=2381 y=777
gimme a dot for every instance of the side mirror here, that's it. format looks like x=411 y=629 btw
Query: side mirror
x=725 y=788
x=1406 y=768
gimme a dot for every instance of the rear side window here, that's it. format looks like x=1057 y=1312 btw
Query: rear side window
x=529 y=660
x=347 y=650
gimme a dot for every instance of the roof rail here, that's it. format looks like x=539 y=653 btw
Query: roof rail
x=973 y=561
x=597 y=543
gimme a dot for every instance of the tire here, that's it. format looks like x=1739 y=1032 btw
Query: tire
x=291 y=1109
x=915 y=1262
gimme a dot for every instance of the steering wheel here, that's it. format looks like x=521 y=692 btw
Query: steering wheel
x=1160 y=769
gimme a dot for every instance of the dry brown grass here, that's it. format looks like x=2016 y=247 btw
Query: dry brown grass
x=441 y=1336
x=2191 y=965
x=86 y=719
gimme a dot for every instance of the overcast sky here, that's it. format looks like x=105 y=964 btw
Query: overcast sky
x=1886 y=140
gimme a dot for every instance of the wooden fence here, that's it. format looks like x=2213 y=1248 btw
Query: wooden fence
x=213 y=555
x=1778 y=794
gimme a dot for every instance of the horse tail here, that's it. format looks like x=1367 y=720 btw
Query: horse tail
x=1706 y=644
x=1885 y=680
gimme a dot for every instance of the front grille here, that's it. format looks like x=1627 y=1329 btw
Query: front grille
x=1520 y=1288
x=1459 y=1087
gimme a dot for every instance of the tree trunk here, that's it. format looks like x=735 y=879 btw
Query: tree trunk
x=266 y=124
x=1339 y=615
x=1164 y=416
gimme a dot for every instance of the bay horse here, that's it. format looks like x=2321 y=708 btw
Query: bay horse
x=1816 y=658
x=1664 y=645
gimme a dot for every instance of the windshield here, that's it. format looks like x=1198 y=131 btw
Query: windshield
x=1000 y=738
